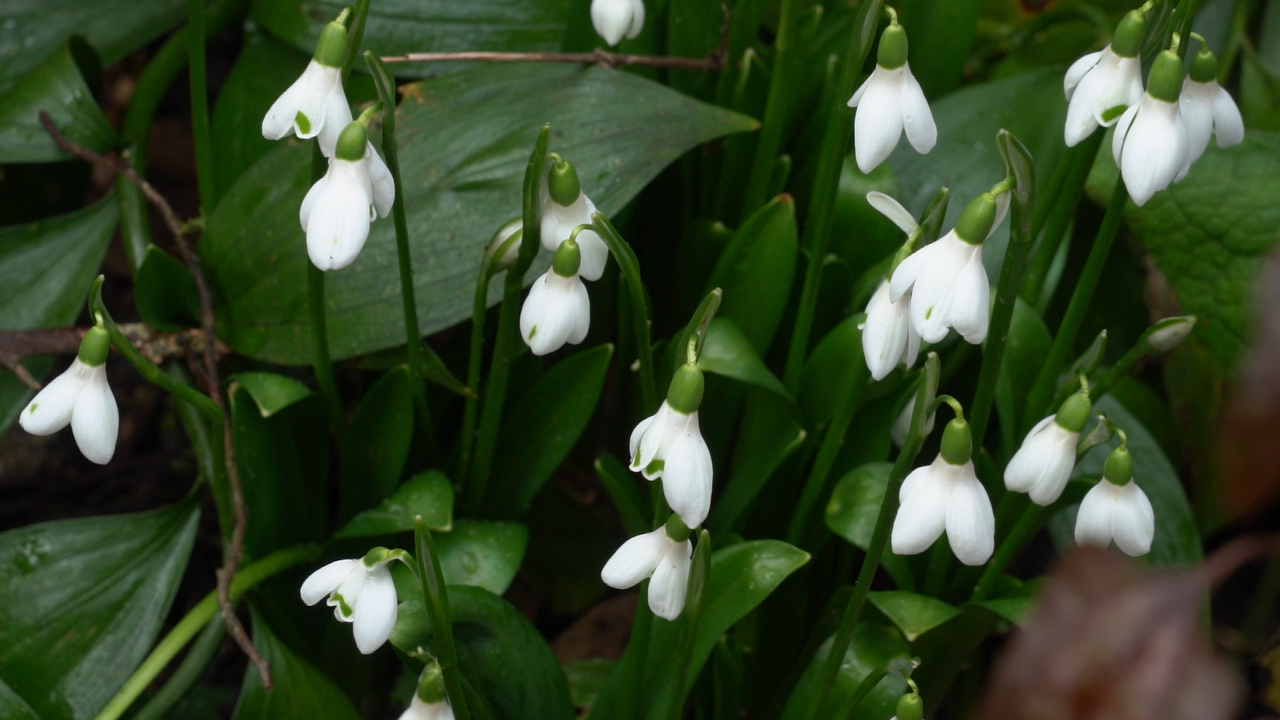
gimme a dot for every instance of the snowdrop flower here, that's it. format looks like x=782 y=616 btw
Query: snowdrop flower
x=1151 y=145
x=81 y=397
x=361 y=592
x=338 y=209
x=947 y=280
x=887 y=334
x=669 y=445
x=946 y=496
x=1207 y=109
x=315 y=105
x=615 y=18
x=564 y=208
x=1117 y=509
x=558 y=310
x=1099 y=84
x=889 y=102
x=504 y=246
x=1169 y=333
x=430 y=701
x=1043 y=464
x=665 y=557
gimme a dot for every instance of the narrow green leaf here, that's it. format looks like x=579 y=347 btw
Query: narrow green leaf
x=1028 y=343
x=376 y=444
x=756 y=270
x=271 y=391
x=429 y=494
x=57 y=86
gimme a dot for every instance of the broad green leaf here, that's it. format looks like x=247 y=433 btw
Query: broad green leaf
x=301 y=691
x=1014 y=610
x=727 y=351
x=84 y=599
x=271 y=391
x=45 y=271
x=12 y=707
x=1027 y=346
x=828 y=368
x=945 y=649
x=114 y=28
x=429 y=494
x=483 y=554
x=854 y=507
x=1260 y=74
x=502 y=656
x=376 y=444
x=166 y=293
x=542 y=426
x=914 y=614
x=464 y=143
x=57 y=85
x=769 y=435
x=873 y=646
x=756 y=270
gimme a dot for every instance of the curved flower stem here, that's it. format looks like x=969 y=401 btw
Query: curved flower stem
x=629 y=266
x=435 y=593
x=1042 y=392
x=205 y=611
x=1026 y=526
x=811 y=494
x=834 y=148
x=879 y=540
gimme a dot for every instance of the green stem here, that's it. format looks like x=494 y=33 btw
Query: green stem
x=1027 y=525
x=435 y=594
x=641 y=631
x=812 y=492
x=879 y=540
x=471 y=407
x=834 y=148
x=777 y=107
x=864 y=688
x=629 y=266
x=699 y=576
x=200 y=107
x=205 y=611
x=1054 y=217
x=192 y=669
x=355 y=36
x=1042 y=392
x=320 y=360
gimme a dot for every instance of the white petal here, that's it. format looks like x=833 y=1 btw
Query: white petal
x=1155 y=149
x=971 y=524
x=421 y=710
x=1122 y=132
x=376 y=609
x=555 y=312
x=877 y=125
x=50 y=410
x=687 y=475
x=611 y=18
x=857 y=94
x=917 y=120
x=909 y=270
x=635 y=439
x=1077 y=71
x=1120 y=86
x=933 y=292
x=337 y=116
x=971 y=300
x=1133 y=524
x=667 y=423
x=338 y=219
x=1196 y=105
x=1025 y=466
x=637 y=19
x=670 y=581
x=384 y=186
x=884 y=335
x=306 y=97
x=635 y=560
x=595 y=254
x=278 y=122
x=1093 y=519
x=1228 y=125
x=309 y=201
x=913 y=343
x=893 y=210
x=1043 y=464
x=579 y=313
x=320 y=583
x=95 y=421
x=922 y=516
x=345 y=599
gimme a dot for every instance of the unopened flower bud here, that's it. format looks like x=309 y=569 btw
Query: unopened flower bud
x=1170 y=332
x=562 y=183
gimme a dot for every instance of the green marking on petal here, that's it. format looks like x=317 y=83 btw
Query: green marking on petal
x=533 y=332
x=303 y=123
x=928 y=313
x=655 y=467
x=343 y=607
x=1111 y=114
x=33 y=407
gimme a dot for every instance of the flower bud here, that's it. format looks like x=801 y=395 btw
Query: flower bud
x=1165 y=80
x=1170 y=332
x=568 y=259
x=977 y=219
x=910 y=707
x=892 y=52
x=957 y=442
x=504 y=247
x=431 y=684
x=1119 y=467
x=685 y=394
x=1132 y=30
x=95 y=346
x=562 y=183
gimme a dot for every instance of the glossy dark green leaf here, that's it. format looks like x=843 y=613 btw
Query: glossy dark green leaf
x=852 y=511
x=12 y=707
x=829 y=367
x=500 y=653
x=464 y=143
x=114 y=28
x=728 y=352
x=376 y=445
x=542 y=426
x=914 y=614
x=756 y=270
x=1014 y=610
x=166 y=292
x=271 y=391
x=1024 y=353
x=429 y=494
x=873 y=646
x=58 y=87
x=769 y=435
x=947 y=648
x=301 y=692
x=483 y=554
x=45 y=271
x=84 y=599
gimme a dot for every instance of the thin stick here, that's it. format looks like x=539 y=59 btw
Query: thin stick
x=208 y=322
x=16 y=345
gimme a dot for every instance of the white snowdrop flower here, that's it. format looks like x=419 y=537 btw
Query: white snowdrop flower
x=361 y=592
x=1207 y=109
x=1169 y=333
x=558 y=309
x=947 y=280
x=80 y=397
x=420 y=709
x=1100 y=84
x=1043 y=464
x=315 y=105
x=337 y=211
x=902 y=425
x=668 y=445
x=1117 y=510
x=430 y=700
x=946 y=496
x=889 y=102
x=662 y=556
x=615 y=18
x=1151 y=145
x=564 y=208
x=887 y=334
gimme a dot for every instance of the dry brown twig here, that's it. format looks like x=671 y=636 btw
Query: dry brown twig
x=16 y=345
x=208 y=322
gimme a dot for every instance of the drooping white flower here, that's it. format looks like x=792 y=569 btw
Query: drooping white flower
x=655 y=555
x=558 y=309
x=337 y=211
x=564 y=208
x=80 y=397
x=947 y=280
x=361 y=592
x=946 y=496
x=889 y=102
x=887 y=334
x=1207 y=109
x=1151 y=145
x=1117 y=509
x=315 y=105
x=1043 y=464
x=668 y=445
x=615 y=18
x=1099 y=84
x=420 y=709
